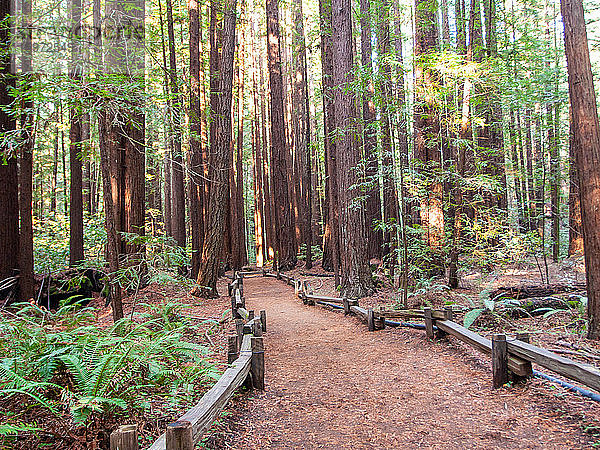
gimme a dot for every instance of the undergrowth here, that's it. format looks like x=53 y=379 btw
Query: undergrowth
x=65 y=364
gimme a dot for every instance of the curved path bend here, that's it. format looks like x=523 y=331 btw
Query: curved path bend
x=332 y=384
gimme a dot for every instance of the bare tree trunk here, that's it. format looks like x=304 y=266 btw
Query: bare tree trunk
x=178 y=167
x=222 y=50
x=76 y=255
x=196 y=166
x=586 y=140
x=122 y=144
x=284 y=244
x=332 y=230
x=356 y=273
x=301 y=123
x=9 y=194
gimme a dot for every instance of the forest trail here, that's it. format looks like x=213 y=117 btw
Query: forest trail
x=332 y=384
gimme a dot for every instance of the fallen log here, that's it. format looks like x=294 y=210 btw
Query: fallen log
x=528 y=291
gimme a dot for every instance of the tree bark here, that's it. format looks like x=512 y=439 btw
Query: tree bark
x=284 y=244
x=586 y=140
x=196 y=143
x=356 y=273
x=301 y=123
x=76 y=255
x=222 y=50
x=178 y=167
x=331 y=238
x=9 y=194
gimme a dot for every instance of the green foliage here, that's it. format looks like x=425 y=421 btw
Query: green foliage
x=64 y=360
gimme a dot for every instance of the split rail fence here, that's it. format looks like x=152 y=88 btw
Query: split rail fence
x=512 y=358
x=245 y=355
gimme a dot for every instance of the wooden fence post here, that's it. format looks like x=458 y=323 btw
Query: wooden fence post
x=257 y=368
x=370 y=319
x=179 y=436
x=499 y=360
x=239 y=329
x=263 y=320
x=124 y=438
x=523 y=337
x=234 y=312
x=257 y=328
x=428 y=323
x=233 y=347
x=346 y=306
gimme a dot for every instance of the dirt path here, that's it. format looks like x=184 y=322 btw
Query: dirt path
x=332 y=384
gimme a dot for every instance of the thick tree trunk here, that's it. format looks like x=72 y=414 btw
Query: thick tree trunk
x=122 y=144
x=356 y=273
x=284 y=244
x=331 y=237
x=196 y=141
x=586 y=140
x=301 y=123
x=222 y=50
x=373 y=201
x=76 y=255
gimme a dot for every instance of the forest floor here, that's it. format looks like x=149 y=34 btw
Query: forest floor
x=332 y=384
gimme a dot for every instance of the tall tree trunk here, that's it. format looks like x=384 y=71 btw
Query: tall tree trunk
x=76 y=255
x=222 y=50
x=178 y=167
x=122 y=144
x=196 y=144
x=356 y=273
x=9 y=194
x=301 y=123
x=373 y=201
x=331 y=237
x=586 y=140
x=284 y=244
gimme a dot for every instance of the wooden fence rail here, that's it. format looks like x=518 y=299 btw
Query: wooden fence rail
x=247 y=367
x=516 y=358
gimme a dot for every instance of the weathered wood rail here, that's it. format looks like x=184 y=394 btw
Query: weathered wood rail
x=511 y=356
x=246 y=358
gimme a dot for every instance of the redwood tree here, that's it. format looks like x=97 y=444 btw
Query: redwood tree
x=284 y=245
x=356 y=273
x=9 y=212
x=75 y=145
x=586 y=147
x=223 y=20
